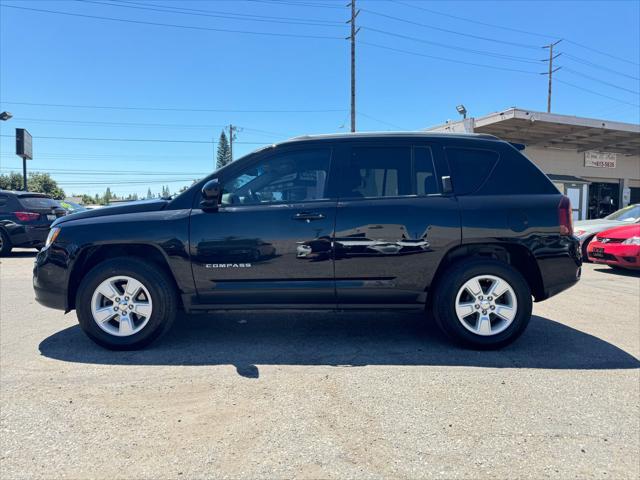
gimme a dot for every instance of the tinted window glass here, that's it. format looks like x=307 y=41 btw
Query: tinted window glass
x=377 y=172
x=426 y=183
x=516 y=175
x=289 y=177
x=4 y=200
x=38 y=202
x=470 y=168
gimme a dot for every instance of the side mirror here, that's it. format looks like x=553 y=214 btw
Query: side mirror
x=211 y=194
x=447 y=187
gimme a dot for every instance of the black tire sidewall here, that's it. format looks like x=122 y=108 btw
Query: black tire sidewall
x=445 y=298
x=6 y=244
x=155 y=280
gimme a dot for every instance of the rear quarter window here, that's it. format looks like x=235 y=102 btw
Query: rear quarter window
x=470 y=168
x=515 y=174
x=38 y=202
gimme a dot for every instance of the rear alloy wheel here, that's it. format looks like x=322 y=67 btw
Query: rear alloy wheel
x=482 y=303
x=125 y=303
x=5 y=244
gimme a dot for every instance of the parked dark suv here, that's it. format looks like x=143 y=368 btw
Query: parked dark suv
x=463 y=227
x=25 y=218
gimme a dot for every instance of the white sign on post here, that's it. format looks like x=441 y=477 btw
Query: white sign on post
x=600 y=159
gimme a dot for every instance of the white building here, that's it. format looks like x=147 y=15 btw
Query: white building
x=595 y=162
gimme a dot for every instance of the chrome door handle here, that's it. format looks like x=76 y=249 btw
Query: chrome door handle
x=308 y=216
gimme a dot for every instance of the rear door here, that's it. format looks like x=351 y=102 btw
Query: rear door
x=393 y=224
x=270 y=241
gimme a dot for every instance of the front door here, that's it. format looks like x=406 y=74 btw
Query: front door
x=270 y=241
x=393 y=225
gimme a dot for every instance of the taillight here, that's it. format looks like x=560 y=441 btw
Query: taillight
x=27 y=216
x=565 y=217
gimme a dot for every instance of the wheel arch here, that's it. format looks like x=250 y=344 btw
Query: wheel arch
x=514 y=254
x=91 y=256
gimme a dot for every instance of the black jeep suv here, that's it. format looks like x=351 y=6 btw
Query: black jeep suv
x=25 y=218
x=463 y=227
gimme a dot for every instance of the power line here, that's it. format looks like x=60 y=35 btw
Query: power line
x=493 y=25
x=453 y=32
x=297 y=4
x=137 y=140
x=188 y=27
x=445 y=59
x=200 y=13
x=138 y=124
x=170 y=109
x=382 y=121
x=60 y=171
x=584 y=75
x=595 y=65
x=596 y=93
x=453 y=47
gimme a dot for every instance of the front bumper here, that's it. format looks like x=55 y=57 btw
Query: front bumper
x=51 y=279
x=616 y=254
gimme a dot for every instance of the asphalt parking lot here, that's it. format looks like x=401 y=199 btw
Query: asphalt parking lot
x=367 y=395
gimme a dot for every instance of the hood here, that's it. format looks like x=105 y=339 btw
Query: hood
x=133 y=207
x=624 y=232
x=596 y=225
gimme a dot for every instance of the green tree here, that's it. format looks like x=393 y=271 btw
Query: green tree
x=43 y=183
x=149 y=194
x=107 y=196
x=223 y=155
x=11 y=181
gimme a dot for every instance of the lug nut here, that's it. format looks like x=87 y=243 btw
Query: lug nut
x=492 y=307
x=117 y=299
x=131 y=307
x=477 y=306
x=490 y=298
x=115 y=309
x=126 y=299
x=484 y=312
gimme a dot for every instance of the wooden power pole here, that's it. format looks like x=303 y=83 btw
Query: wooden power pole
x=232 y=131
x=352 y=37
x=551 y=71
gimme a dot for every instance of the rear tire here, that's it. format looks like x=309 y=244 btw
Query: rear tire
x=483 y=320
x=5 y=244
x=118 y=320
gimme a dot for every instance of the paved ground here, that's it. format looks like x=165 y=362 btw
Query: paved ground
x=324 y=396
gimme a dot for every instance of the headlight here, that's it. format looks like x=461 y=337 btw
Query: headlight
x=632 y=241
x=53 y=234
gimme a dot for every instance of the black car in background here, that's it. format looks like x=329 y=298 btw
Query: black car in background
x=25 y=218
x=461 y=227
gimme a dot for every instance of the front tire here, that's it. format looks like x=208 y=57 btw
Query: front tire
x=125 y=303
x=482 y=303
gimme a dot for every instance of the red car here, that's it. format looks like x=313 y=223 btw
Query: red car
x=617 y=247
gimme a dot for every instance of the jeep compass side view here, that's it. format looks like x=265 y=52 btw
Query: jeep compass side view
x=462 y=227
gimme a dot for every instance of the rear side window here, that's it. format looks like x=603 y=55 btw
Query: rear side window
x=470 y=168
x=377 y=172
x=38 y=202
x=516 y=175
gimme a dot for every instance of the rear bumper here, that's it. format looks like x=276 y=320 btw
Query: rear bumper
x=561 y=269
x=625 y=256
x=28 y=236
x=51 y=279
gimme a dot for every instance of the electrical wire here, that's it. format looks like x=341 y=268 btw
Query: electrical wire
x=595 y=65
x=188 y=27
x=594 y=92
x=453 y=47
x=453 y=32
x=584 y=75
x=445 y=59
x=170 y=109
x=133 y=5
x=139 y=140
x=384 y=122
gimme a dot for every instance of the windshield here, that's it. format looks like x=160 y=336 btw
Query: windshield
x=627 y=214
x=38 y=202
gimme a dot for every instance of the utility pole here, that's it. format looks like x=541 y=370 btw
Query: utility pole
x=352 y=37
x=551 y=70
x=232 y=132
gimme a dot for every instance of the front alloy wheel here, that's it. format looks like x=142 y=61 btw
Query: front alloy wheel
x=126 y=303
x=121 y=306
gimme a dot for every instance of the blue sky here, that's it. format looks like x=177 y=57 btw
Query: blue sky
x=289 y=76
